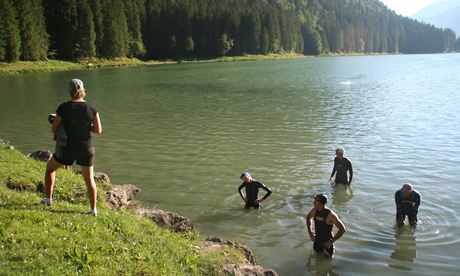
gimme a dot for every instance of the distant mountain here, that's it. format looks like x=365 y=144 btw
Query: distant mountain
x=445 y=14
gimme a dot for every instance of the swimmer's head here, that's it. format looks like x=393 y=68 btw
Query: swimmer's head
x=321 y=198
x=339 y=150
x=407 y=189
x=246 y=177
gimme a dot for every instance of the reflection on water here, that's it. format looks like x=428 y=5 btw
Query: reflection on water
x=405 y=247
x=341 y=194
x=318 y=264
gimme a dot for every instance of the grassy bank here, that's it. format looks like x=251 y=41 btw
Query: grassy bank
x=63 y=239
x=57 y=65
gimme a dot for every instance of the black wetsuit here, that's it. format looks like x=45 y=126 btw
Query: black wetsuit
x=252 y=192
x=407 y=206
x=342 y=166
x=77 y=118
x=323 y=231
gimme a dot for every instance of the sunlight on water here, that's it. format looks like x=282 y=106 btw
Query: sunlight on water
x=184 y=133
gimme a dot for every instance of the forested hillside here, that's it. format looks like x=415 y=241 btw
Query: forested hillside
x=158 y=29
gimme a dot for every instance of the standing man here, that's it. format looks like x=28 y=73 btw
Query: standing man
x=251 y=198
x=343 y=168
x=407 y=202
x=324 y=219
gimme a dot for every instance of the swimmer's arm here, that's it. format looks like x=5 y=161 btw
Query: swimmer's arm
x=96 y=127
x=310 y=215
x=351 y=171
x=398 y=201
x=269 y=192
x=339 y=224
x=417 y=202
x=334 y=169
x=241 y=193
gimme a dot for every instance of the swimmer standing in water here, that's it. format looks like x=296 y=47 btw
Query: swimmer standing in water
x=343 y=169
x=324 y=219
x=407 y=202
x=251 y=198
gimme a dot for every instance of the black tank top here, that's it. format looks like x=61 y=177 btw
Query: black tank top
x=322 y=229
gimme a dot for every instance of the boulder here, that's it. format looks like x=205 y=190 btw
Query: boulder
x=41 y=155
x=120 y=196
x=101 y=177
x=165 y=219
x=247 y=252
x=247 y=270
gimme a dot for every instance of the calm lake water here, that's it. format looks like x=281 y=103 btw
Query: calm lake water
x=184 y=133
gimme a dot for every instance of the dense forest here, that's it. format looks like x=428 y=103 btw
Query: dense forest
x=158 y=29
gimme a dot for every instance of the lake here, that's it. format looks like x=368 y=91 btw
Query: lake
x=184 y=133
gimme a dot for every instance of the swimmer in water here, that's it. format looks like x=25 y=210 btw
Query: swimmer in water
x=324 y=219
x=407 y=202
x=343 y=169
x=251 y=197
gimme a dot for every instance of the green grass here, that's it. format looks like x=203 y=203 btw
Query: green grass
x=63 y=239
x=37 y=66
x=57 y=65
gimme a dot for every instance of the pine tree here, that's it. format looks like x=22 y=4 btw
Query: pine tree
x=85 y=44
x=116 y=37
x=34 y=38
x=135 y=13
x=62 y=26
x=96 y=10
x=10 y=40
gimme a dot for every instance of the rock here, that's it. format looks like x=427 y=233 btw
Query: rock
x=120 y=196
x=41 y=155
x=247 y=270
x=21 y=186
x=168 y=220
x=247 y=252
x=101 y=177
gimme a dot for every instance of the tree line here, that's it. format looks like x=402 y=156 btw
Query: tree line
x=158 y=29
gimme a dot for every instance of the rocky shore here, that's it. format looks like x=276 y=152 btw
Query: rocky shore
x=123 y=197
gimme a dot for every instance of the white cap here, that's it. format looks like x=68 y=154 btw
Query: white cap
x=75 y=85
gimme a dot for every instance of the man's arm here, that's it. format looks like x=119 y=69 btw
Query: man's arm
x=417 y=202
x=351 y=171
x=334 y=219
x=398 y=201
x=268 y=192
x=334 y=169
x=309 y=217
x=241 y=193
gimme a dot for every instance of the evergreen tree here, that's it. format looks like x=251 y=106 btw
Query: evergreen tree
x=135 y=14
x=85 y=44
x=116 y=36
x=96 y=10
x=34 y=38
x=10 y=40
x=62 y=25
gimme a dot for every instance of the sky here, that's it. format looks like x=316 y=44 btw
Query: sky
x=407 y=7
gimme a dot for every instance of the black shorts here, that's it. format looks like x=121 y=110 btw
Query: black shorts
x=83 y=156
x=401 y=215
x=248 y=205
x=318 y=246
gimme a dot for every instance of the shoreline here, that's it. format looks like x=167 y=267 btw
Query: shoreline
x=125 y=237
x=28 y=67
